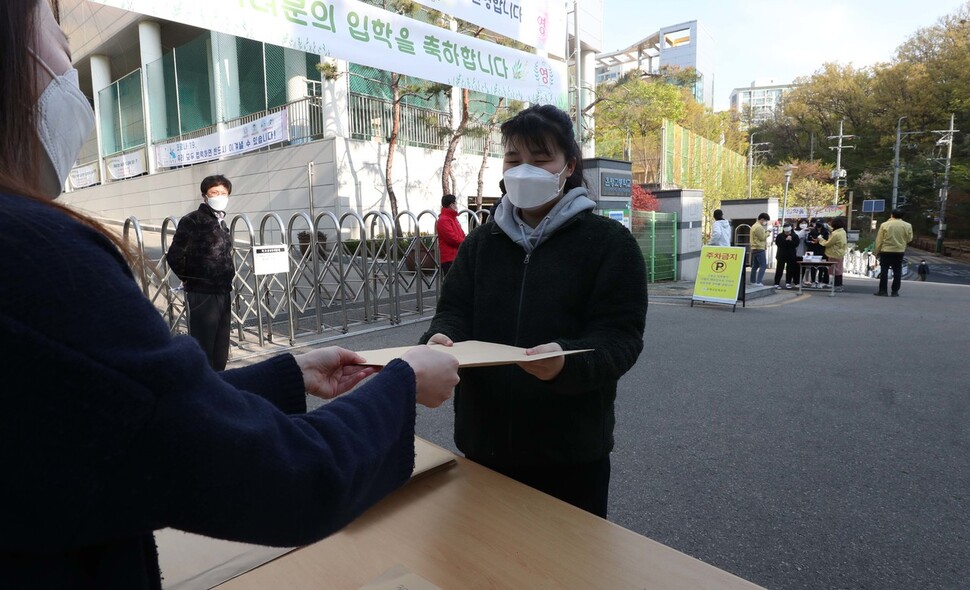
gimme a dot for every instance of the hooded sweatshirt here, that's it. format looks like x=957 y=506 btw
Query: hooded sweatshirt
x=720 y=233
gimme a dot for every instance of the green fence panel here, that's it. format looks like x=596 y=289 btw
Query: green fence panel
x=656 y=233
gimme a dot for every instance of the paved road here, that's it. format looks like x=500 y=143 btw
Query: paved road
x=943 y=269
x=802 y=442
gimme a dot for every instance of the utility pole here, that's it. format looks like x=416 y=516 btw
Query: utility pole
x=896 y=162
x=839 y=173
x=947 y=138
x=752 y=152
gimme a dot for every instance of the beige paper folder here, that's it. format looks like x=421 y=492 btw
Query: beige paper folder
x=470 y=353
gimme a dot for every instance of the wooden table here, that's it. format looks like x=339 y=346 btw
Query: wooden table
x=469 y=527
x=805 y=266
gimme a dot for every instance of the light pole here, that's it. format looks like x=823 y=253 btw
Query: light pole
x=784 y=206
x=896 y=161
x=750 y=161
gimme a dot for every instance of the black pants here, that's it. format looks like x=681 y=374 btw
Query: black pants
x=209 y=317
x=893 y=260
x=788 y=266
x=585 y=486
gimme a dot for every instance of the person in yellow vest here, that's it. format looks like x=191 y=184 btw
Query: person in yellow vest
x=835 y=247
x=759 y=242
x=891 y=240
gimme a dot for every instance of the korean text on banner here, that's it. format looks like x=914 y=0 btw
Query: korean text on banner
x=235 y=140
x=537 y=23
x=370 y=36
x=719 y=274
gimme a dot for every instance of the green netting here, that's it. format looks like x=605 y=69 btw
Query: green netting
x=193 y=84
x=252 y=84
x=122 y=118
x=373 y=82
x=656 y=233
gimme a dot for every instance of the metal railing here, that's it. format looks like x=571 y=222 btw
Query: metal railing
x=372 y=117
x=333 y=284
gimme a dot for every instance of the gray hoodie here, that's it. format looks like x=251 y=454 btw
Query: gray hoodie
x=509 y=218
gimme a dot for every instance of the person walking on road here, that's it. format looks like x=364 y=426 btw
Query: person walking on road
x=450 y=234
x=759 y=243
x=891 y=240
x=720 y=231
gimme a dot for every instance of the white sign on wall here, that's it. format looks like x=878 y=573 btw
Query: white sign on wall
x=126 y=165
x=370 y=36
x=539 y=23
x=84 y=176
x=252 y=136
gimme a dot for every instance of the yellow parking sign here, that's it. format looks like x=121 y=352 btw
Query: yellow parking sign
x=719 y=274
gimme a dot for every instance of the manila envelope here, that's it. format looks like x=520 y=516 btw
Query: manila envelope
x=470 y=353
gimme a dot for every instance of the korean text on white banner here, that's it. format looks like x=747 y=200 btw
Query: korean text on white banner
x=257 y=134
x=537 y=23
x=126 y=165
x=370 y=36
x=84 y=176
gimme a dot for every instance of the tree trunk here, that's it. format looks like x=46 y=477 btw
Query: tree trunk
x=486 y=145
x=392 y=147
x=447 y=174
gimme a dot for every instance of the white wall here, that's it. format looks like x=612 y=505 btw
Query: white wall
x=277 y=181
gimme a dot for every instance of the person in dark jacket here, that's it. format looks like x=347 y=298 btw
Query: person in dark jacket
x=819 y=276
x=113 y=428
x=548 y=275
x=201 y=255
x=786 y=248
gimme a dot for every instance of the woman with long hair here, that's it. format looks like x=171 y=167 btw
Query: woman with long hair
x=112 y=428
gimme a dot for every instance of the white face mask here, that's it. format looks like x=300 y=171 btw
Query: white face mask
x=218 y=203
x=803 y=226
x=64 y=122
x=787 y=230
x=530 y=187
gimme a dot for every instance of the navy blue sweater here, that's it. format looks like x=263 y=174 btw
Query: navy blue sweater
x=112 y=428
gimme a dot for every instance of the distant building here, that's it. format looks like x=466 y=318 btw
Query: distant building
x=685 y=45
x=760 y=101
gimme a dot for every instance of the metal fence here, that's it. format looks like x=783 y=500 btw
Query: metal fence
x=334 y=285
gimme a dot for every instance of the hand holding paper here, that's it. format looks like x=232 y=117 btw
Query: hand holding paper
x=473 y=353
x=546 y=369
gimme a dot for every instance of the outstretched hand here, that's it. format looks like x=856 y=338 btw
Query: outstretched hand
x=331 y=371
x=546 y=369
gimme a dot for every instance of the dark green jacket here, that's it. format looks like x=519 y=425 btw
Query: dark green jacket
x=584 y=287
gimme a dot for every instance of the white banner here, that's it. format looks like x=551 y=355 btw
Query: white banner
x=235 y=140
x=806 y=213
x=84 y=176
x=364 y=34
x=126 y=165
x=539 y=23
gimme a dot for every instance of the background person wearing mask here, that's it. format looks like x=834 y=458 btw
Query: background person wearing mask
x=720 y=231
x=450 y=233
x=819 y=276
x=548 y=275
x=891 y=240
x=112 y=427
x=835 y=246
x=759 y=243
x=786 y=245
x=201 y=255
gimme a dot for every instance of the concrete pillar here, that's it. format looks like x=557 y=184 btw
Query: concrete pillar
x=588 y=86
x=152 y=88
x=226 y=103
x=296 y=90
x=336 y=102
x=106 y=120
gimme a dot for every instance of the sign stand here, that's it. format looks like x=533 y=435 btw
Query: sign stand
x=720 y=277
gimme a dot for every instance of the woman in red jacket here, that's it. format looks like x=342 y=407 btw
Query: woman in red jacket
x=450 y=234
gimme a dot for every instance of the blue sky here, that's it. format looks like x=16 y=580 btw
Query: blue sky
x=778 y=39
